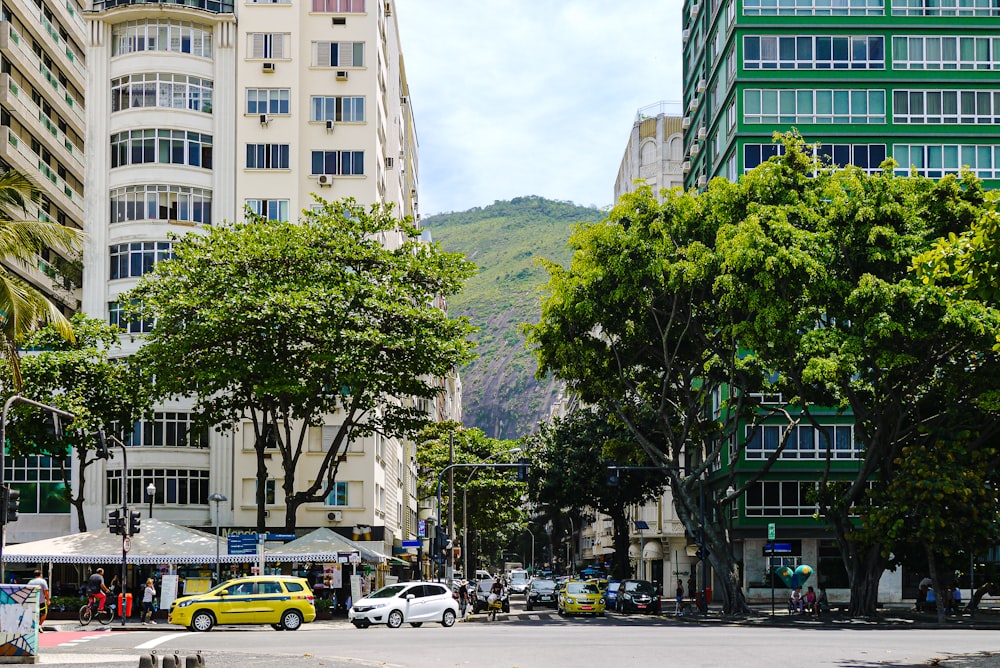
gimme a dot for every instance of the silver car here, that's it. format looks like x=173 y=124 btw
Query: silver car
x=412 y=603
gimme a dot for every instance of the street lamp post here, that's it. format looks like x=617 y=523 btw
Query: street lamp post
x=151 y=491
x=217 y=498
x=465 y=509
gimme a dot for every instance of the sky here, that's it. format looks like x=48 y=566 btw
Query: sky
x=532 y=97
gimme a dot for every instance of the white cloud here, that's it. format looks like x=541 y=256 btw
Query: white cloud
x=532 y=97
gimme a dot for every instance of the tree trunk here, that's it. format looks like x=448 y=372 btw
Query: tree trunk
x=620 y=570
x=864 y=573
x=991 y=588
x=261 y=495
x=940 y=593
x=77 y=501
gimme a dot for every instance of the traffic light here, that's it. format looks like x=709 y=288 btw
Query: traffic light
x=13 y=498
x=116 y=522
x=101 y=444
x=133 y=522
x=522 y=469
x=55 y=425
x=612 y=475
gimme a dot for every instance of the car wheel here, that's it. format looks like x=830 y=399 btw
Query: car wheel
x=448 y=618
x=277 y=627
x=416 y=625
x=202 y=621
x=291 y=620
x=361 y=623
x=395 y=619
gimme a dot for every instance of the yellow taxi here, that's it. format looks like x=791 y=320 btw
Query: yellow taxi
x=578 y=597
x=281 y=601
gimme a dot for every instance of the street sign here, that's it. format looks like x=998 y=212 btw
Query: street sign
x=422 y=528
x=770 y=531
x=411 y=543
x=126 y=544
x=281 y=536
x=242 y=543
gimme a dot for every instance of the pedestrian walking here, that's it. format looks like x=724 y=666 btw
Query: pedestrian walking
x=679 y=596
x=463 y=597
x=44 y=598
x=148 y=595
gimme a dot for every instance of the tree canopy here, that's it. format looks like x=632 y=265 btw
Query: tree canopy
x=286 y=323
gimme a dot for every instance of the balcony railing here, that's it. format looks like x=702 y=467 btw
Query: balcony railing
x=214 y=6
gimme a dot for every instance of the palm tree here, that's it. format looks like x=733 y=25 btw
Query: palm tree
x=22 y=306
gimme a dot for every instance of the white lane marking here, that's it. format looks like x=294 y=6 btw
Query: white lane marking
x=159 y=640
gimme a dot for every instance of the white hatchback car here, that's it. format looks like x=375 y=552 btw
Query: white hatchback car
x=406 y=602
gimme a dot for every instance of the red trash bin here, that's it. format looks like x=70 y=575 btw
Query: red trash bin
x=708 y=595
x=128 y=604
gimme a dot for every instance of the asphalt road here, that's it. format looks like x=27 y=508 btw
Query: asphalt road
x=540 y=639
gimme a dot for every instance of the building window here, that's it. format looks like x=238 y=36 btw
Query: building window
x=936 y=160
x=268 y=45
x=338 y=162
x=813 y=8
x=167 y=147
x=780 y=498
x=804 y=442
x=945 y=8
x=272 y=209
x=161 y=202
x=40 y=482
x=116 y=318
x=267 y=156
x=170 y=430
x=973 y=107
x=338 y=54
x=945 y=53
x=338 y=496
x=161 y=89
x=269 y=2
x=858 y=106
x=339 y=109
x=269 y=492
x=339 y=6
x=273 y=101
x=174 y=487
x=814 y=52
x=868 y=157
x=161 y=35
x=134 y=259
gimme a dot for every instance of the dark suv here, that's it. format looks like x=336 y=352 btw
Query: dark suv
x=638 y=596
x=539 y=593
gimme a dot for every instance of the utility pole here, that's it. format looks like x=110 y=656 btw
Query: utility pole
x=450 y=556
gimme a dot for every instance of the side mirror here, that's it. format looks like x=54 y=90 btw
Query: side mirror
x=224 y=592
x=410 y=597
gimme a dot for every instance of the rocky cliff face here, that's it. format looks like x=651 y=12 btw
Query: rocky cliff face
x=506 y=240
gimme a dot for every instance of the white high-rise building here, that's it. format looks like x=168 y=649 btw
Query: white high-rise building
x=202 y=108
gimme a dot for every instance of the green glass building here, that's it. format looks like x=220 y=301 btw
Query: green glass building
x=915 y=80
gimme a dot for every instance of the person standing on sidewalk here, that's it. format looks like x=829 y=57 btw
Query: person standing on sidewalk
x=43 y=596
x=148 y=594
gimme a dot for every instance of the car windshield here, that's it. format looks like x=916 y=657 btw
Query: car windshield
x=640 y=587
x=543 y=585
x=581 y=588
x=613 y=586
x=388 y=592
x=518 y=577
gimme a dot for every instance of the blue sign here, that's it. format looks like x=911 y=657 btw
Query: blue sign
x=779 y=548
x=411 y=543
x=242 y=543
x=281 y=536
x=422 y=528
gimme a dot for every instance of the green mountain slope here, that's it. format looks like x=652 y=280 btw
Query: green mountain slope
x=500 y=394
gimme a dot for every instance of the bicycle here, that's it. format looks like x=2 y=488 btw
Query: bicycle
x=89 y=611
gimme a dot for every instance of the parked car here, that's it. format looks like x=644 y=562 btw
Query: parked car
x=638 y=596
x=541 y=593
x=283 y=602
x=480 y=602
x=578 y=597
x=519 y=582
x=406 y=602
x=611 y=595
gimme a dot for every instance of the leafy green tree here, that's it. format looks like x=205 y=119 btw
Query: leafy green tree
x=21 y=241
x=78 y=376
x=816 y=278
x=570 y=470
x=286 y=323
x=487 y=502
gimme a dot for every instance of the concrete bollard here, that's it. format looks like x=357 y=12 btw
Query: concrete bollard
x=194 y=661
x=169 y=661
x=147 y=661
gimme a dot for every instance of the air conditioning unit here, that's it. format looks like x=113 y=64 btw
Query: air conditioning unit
x=695 y=8
x=404 y=99
x=264 y=120
x=325 y=180
x=341 y=75
x=702 y=85
x=389 y=163
x=702 y=181
x=334 y=516
x=693 y=106
x=329 y=126
x=686 y=123
x=695 y=149
x=686 y=166
x=702 y=132
x=268 y=68
x=685 y=34
x=340 y=20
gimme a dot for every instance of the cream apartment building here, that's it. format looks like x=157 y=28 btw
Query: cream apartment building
x=200 y=109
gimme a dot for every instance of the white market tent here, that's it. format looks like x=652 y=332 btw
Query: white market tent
x=157 y=542
x=324 y=545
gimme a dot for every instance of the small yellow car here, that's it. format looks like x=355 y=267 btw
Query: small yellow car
x=283 y=602
x=577 y=597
